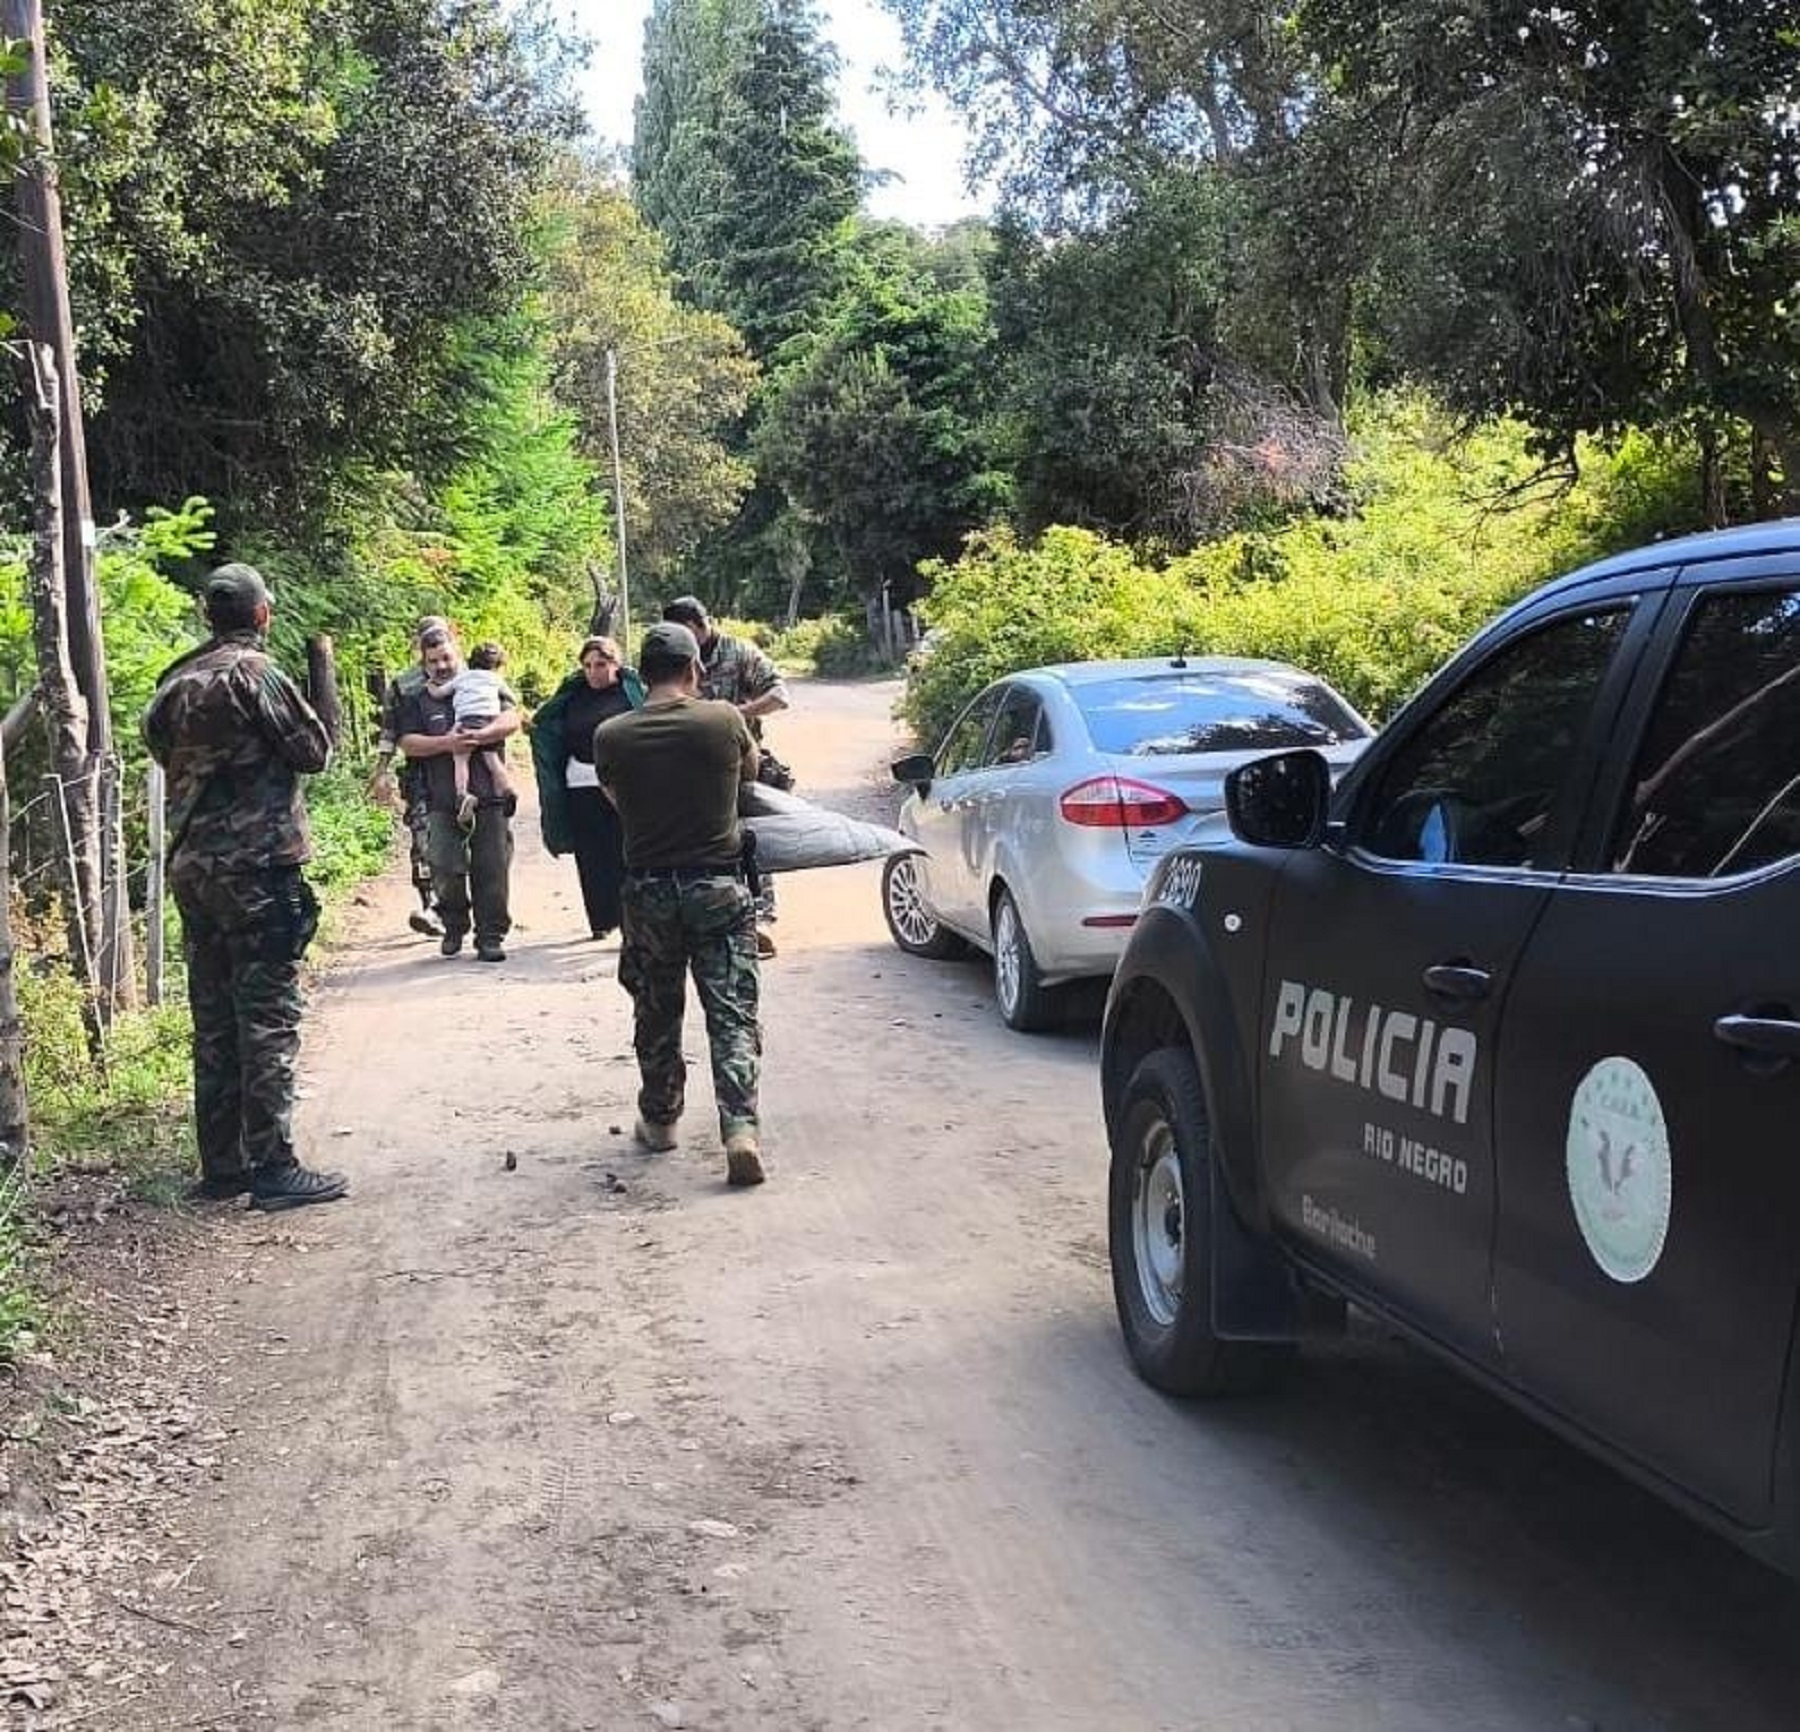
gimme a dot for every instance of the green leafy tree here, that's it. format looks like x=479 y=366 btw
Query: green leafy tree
x=738 y=161
x=683 y=377
x=883 y=434
x=1586 y=214
x=271 y=268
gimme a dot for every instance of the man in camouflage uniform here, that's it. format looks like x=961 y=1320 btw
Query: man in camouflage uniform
x=673 y=768
x=235 y=736
x=411 y=790
x=734 y=671
x=471 y=870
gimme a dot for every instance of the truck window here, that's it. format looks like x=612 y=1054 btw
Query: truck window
x=1716 y=788
x=1477 y=782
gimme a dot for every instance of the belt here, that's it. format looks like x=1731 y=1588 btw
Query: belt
x=682 y=874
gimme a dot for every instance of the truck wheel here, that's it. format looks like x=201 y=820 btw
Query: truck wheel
x=1160 y=1232
x=1026 y=1004
x=910 y=921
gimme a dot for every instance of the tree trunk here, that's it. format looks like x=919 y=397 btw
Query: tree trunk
x=155 y=891
x=15 y=1116
x=322 y=685
x=1712 y=478
x=60 y=701
x=44 y=279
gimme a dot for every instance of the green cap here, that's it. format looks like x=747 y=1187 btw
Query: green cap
x=670 y=642
x=237 y=584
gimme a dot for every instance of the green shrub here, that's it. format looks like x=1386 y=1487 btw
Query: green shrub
x=353 y=838
x=756 y=631
x=1446 y=532
x=832 y=646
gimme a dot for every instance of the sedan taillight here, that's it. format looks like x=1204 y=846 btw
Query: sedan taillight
x=1118 y=803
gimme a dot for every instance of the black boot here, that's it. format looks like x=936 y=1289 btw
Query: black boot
x=293 y=1186
x=217 y=1187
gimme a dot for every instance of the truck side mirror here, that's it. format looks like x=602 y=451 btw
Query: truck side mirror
x=915 y=771
x=1280 y=801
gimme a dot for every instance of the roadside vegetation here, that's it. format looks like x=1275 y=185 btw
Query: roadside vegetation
x=1285 y=337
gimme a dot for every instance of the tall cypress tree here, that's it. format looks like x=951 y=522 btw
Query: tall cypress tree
x=738 y=161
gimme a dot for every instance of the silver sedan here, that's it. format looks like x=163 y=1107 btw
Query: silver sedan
x=1054 y=793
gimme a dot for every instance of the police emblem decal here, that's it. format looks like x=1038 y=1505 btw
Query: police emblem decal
x=1621 y=1180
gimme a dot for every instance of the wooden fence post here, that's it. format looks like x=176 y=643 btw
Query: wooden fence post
x=15 y=1112
x=322 y=686
x=155 y=890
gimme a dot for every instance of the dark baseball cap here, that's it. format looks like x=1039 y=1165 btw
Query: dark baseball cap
x=687 y=610
x=242 y=584
x=670 y=641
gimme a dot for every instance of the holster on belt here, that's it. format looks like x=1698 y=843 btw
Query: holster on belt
x=747 y=854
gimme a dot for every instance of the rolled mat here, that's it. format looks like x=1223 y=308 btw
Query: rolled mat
x=794 y=835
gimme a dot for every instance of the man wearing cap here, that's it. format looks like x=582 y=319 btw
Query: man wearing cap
x=734 y=671
x=234 y=736
x=411 y=790
x=674 y=768
x=470 y=869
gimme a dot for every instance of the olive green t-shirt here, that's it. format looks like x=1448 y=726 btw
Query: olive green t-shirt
x=673 y=769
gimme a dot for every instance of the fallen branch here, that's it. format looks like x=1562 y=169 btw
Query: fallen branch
x=138 y=1611
x=18 y=719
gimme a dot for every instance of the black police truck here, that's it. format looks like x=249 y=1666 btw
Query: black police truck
x=1500 y=1039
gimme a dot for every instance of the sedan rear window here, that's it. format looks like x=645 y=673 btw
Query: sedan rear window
x=1165 y=715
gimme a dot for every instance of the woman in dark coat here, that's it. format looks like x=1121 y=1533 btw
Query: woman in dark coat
x=577 y=818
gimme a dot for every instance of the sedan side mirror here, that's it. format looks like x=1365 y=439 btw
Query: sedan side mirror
x=1281 y=801
x=915 y=771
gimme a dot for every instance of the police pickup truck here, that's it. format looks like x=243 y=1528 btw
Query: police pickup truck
x=1500 y=1039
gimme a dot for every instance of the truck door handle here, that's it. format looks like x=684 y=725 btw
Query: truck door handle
x=1770 y=1036
x=1461 y=981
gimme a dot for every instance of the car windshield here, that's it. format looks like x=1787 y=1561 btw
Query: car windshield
x=1167 y=714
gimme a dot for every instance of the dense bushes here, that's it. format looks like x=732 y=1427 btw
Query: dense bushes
x=1445 y=531
x=832 y=647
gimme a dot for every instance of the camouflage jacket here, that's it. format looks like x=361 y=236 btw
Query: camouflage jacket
x=234 y=735
x=408 y=683
x=734 y=671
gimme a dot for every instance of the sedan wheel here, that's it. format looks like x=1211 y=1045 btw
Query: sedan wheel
x=1025 y=1002
x=910 y=922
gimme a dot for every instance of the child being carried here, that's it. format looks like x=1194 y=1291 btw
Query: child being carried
x=475 y=694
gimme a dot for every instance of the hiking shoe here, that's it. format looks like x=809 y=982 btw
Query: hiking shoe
x=452 y=944
x=765 y=943
x=294 y=1186
x=490 y=951
x=659 y=1139
x=425 y=923
x=743 y=1159
x=217 y=1187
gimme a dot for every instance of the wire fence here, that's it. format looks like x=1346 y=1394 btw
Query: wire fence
x=48 y=892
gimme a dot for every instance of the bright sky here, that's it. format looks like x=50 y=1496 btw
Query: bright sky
x=922 y=151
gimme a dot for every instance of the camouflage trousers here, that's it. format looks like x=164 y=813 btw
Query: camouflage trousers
x=244 y=934
x=418 y=830
x=706 y=927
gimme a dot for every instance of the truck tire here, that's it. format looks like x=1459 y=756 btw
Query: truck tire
x=910 y=922
x=1160 y=1234
x=1026 y=1004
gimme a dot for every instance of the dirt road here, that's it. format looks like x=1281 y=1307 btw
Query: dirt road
x=595 y=1443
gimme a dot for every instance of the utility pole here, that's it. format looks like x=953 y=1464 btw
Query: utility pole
x=612 y=423
x=44 y=269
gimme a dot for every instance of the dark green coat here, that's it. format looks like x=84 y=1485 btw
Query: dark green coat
x=550 y=756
